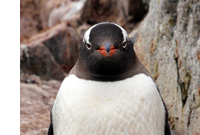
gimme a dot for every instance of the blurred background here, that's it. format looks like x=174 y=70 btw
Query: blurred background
x=166 y=37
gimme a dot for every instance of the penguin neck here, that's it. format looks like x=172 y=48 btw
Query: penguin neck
x=135 y=67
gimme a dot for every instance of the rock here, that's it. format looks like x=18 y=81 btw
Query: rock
x=30 y=78
x=97 y=10
x=35 y=106
x=64 y=47
x=55 y=11
x=30 y=23
x=39 y=60
x=45 y=7
x=168 y=44
x=125 y=13
x=66 y=12
x=82 y=29
x=62 y=41
x=137 y=10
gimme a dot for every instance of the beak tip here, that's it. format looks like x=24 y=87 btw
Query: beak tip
x=107 y=46
x=107 y=49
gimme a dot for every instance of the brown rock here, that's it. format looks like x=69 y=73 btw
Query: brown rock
x=54 y=11
x=45 y=7
x=125 y=13
x=29 y=19
x=30 y=78
x=39 y=60
x=69 y=11
x=35 y=106
x=64 y=46
x=63 y=43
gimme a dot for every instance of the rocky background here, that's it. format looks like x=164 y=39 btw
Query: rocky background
x=166 y=36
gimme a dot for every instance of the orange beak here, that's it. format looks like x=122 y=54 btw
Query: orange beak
x=108 y=52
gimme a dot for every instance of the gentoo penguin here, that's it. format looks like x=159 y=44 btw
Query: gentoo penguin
x=108 y=91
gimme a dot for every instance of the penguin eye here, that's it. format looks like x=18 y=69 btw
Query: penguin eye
x=124 y=44
x=89 y=46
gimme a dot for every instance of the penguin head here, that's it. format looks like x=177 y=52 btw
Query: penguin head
x=106 y=50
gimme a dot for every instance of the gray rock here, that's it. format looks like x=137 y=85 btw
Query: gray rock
x=168 y=44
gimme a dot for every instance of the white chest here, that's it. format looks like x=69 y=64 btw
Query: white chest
x=127 y=107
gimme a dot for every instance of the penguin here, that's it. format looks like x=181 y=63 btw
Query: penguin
x=108 y=91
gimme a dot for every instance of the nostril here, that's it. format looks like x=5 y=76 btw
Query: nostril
x=107 y=46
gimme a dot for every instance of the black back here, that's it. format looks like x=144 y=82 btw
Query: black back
x=50 y=130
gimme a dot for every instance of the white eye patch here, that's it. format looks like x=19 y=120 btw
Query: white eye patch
x=87 y=33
